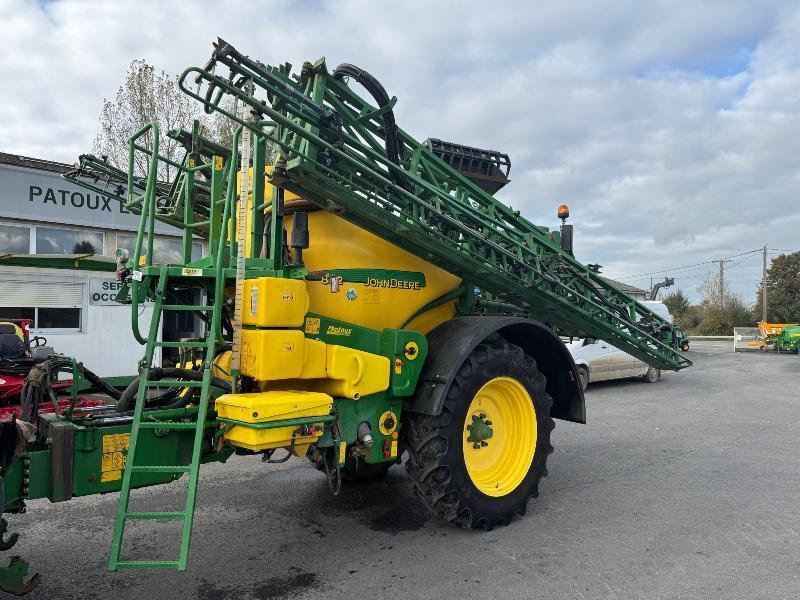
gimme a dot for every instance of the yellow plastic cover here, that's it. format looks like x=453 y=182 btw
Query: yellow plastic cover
x=260 y=407
x=274 y=302
x=280 y=354
x=270 y=354
x=257 y=407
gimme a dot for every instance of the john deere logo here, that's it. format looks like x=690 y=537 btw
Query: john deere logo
x=351 y=294
x=393 y=283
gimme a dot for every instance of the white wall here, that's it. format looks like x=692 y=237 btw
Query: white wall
x=106 y=344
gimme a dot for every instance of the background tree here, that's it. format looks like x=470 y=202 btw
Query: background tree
x=717 y=314
x=677 y=303
x=711 y=290
x=146 y=95
x=149 y=95
x=783 y=290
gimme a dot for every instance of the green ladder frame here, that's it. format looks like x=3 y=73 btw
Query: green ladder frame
x=145 y=204
x=198 y=425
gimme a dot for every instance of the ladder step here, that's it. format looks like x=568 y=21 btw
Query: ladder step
x=148 y=564
x=167 y=425
x=159 y=468
x=187 y=307
x=136 y=516
x=180 y=344
x=173 y=383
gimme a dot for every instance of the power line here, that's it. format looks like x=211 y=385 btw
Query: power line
x=707 y=262
x=705 y=272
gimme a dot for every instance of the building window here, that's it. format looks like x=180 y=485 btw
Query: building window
x=52 y=305
x=58 y=318
x=8 y=312
x=55 y=240
x=14 y=239
x=166 y=251
x=44 y=319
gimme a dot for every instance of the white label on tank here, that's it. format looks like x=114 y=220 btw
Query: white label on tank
x=253 y=301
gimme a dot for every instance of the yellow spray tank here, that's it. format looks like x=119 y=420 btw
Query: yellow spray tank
x=357 y=277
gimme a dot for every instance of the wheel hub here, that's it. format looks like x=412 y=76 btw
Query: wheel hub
x=479 y=431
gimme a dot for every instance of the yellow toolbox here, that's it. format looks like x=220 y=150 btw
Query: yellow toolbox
x=262 y=407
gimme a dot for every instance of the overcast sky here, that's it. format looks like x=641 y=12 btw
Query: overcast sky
x=672 y=129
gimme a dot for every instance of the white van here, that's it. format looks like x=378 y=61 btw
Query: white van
x=600 y=361
x=658 y=307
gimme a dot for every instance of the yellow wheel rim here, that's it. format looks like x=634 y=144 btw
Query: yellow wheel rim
x=500 y=434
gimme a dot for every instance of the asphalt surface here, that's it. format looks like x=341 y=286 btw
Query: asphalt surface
x=688 y=488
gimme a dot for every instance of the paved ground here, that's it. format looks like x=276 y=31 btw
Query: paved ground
x=689 y=488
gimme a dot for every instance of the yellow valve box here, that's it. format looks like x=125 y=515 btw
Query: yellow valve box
x=274 y=302
x=262 y=407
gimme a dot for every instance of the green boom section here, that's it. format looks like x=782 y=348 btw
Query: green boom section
x=333 y=151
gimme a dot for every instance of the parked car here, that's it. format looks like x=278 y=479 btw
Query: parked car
x=600 y=361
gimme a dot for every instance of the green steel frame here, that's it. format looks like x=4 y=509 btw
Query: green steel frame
x=332 y=144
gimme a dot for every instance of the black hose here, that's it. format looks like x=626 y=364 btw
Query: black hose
x=392 y=141
x=126 y=400
x=101 y=385
x=42 y=376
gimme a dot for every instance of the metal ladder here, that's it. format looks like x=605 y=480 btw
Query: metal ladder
x=139 y=423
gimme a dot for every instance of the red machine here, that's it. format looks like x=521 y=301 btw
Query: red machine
x=16 y=364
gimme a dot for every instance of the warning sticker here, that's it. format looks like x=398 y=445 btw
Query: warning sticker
x=312 y=325
x=115 y=452
x=372 y=296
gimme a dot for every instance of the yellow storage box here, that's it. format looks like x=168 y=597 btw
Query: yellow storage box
x=274 y=302
x=272 y=354
x=262 y=407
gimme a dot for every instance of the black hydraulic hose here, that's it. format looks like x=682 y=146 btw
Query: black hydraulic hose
x=128 y=397
x=43 y=375
x=378 y=92
x=101 y=385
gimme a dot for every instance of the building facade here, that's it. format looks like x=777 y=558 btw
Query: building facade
x=43 y=213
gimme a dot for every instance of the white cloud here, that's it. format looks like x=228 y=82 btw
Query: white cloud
x=672 y=129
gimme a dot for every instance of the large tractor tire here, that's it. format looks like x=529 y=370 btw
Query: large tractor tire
x=480 y=460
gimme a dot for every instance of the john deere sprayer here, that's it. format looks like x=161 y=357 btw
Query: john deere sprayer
x=364 y=296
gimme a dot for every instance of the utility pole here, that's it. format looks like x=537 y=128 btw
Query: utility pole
x=764 y=287
x=722 y=282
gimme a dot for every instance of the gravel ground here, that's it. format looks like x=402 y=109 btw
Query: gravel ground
x=688 y=488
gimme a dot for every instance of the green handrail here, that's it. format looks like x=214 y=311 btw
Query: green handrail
x=146 y=221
